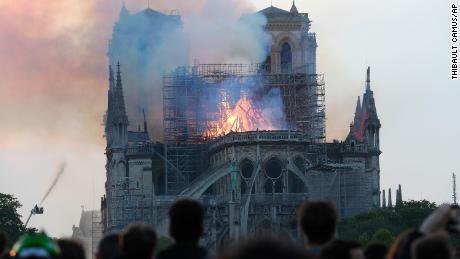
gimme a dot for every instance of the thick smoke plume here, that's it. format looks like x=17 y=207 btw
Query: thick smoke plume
x=215 y=31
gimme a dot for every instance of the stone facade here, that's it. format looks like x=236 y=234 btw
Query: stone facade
x=248 y=181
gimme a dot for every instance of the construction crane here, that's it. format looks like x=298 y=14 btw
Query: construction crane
x=38 y=208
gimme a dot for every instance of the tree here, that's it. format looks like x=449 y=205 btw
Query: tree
x=10 y=220
x=384 y=236
x=383 y=224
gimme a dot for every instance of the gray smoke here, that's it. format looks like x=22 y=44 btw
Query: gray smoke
x=216 y=32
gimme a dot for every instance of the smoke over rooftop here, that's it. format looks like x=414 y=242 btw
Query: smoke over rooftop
x=150 y=43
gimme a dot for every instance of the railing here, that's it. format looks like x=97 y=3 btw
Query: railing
x=260 y=136
x=142 y=149
x=233 y=70
x=356 y=148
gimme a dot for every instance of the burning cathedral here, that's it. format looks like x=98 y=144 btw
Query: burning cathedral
x=247 y=140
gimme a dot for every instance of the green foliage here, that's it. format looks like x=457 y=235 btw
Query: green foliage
x=10 y=220
x=364 y=238
x=384 y=236
x=384 y=224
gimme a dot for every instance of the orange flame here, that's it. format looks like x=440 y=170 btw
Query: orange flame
x=244 y=116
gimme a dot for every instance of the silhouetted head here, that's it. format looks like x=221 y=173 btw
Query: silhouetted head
x=3 y=243
x=267 y=248
x=341 y=249
x=186 y=221
x=71 y=249
x=138 y=241
x=317 y=221
x=34 y=246
x=436 y=246
x=109 y=247
x=376 y=251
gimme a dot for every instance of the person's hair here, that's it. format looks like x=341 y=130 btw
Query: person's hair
x=138 y=240
x=71 y=249
x=108 y=247
x=186 y=220
x=3 y=243
x=376 y=251
x=436 y=246
x=266 y=247
x=317 y=221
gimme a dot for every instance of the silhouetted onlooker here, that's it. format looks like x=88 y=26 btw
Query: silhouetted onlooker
x=35 y=246
x=3 y=244
x=267 y=248
x=108 y=247
x=376 y=251
x=340 y=249
x=186 y=227
x=318 y=221
x=138 y=241
x=434 y=246
x=71 y=249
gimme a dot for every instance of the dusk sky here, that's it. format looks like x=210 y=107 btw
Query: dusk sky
x=53 y=63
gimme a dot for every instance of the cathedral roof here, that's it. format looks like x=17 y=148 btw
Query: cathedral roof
x=277 y=15
x=273 y=10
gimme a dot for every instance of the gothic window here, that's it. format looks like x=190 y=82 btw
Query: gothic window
x=273 y=173
x=246 y=170
x=286 y=58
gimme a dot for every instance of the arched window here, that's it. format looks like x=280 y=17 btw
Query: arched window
x=273 y=173
x=286 y=58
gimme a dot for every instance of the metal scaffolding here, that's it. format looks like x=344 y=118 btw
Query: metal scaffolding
x=189 y=104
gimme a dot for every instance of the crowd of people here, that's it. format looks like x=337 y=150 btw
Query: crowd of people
x=317 y=220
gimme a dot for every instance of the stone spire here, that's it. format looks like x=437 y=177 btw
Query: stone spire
x=116 y=120
x=357 y=119
x=370 y=123
x=384 y=201
x=398 y=196
x=110 y=106
x=368 y=79
x=123 y=12
x=120 y=109
x=390 y=203
x=294 y=8
x=145 y=121
x=111 y=79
